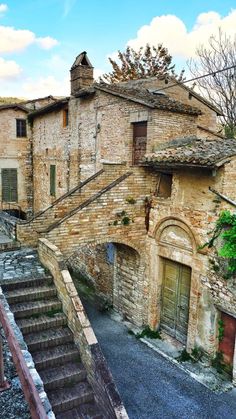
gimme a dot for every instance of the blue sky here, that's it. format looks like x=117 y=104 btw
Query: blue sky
x=39 y=39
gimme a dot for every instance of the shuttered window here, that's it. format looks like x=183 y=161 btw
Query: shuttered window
x=21 y=128
x=52 y=180
x=9 y=185
x=65 y=118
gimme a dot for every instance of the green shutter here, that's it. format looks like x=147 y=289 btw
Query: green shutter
x=9 y=185
x=52 y=179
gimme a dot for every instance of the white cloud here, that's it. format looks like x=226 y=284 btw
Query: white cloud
x=45 y=86
x=13 y=40
x=9 y=69
x=46 y=42
x=3 y=8
x=172 y=32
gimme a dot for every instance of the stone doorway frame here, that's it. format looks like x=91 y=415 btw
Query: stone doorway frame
x=185 y=252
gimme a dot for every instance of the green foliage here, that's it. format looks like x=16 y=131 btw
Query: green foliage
x=125 y=221
x=131 y=200
x=8 y=100
x=217 y=362
x=220 y=330
x=230 y=131
x=184 y=356
x=197 y=354
x=148 y=61
x=226 y=229
x=147 y=332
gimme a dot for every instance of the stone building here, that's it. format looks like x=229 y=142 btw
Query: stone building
x=16 y=190
x=121 y=178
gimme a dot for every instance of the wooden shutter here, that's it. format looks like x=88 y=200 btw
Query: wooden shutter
x=52 y=179
x=9 y=185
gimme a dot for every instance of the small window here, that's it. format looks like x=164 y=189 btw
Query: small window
x=65 y=117
x=21 y=128
x=9 y=185
x=164 y=185
x=52 y=180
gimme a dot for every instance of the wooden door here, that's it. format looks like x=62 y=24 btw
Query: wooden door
x=139 y=141
x=227 y=344
x=175 y=299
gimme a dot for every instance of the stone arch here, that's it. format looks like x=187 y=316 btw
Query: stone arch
x=119 y=280
x=175 y=241
x=185 y=238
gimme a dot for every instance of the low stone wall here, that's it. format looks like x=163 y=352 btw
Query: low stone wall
x=8 y=224
x=27 y=357
x=99 y=375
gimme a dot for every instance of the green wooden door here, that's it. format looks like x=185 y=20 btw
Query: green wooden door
x=175 y=299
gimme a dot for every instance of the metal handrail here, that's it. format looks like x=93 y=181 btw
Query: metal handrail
x=31 y=395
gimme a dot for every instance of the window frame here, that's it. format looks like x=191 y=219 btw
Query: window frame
x=21 y=128
x=168 y=193
x=52 y=180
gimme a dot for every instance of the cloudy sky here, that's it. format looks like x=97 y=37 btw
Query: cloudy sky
x=39 y=39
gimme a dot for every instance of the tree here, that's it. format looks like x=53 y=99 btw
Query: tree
x=146 y=62
x=220 y=87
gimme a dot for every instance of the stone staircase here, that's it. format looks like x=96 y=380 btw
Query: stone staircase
x=38 y=313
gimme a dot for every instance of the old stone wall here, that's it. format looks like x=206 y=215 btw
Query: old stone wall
x=51 y=146
x=96 y=264
x=103 y=126
x=15 y=153
x=179 y=226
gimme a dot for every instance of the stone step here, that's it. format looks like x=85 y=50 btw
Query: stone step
x=42 y=322
x=70 y=397
x=57 y=355
x=28 y=309
x=48 y=338
x=63 y=375
x=31 y=294
x=85 y=411
x=16 y=283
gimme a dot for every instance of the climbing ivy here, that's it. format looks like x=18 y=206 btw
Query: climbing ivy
x=226 y=229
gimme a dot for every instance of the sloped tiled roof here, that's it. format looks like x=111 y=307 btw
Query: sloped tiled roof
x=193 y=152
x=14 y=106
x=150 y=99
x=142 y=96
x=51 y=107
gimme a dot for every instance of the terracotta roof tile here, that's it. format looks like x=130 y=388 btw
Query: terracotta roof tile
x=193 y=152
x=147 y=98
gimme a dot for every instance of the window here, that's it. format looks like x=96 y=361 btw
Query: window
x=52 y=179
x=65 y=117
x=9 y=185
x=164 y=185
x=21 y=128
x=139 y=141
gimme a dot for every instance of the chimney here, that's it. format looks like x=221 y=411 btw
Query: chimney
x=81 y=73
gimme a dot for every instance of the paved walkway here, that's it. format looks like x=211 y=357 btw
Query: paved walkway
x=150 y=385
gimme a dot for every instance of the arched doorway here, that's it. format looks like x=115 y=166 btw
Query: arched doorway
x=175 y=270
x=116 y=272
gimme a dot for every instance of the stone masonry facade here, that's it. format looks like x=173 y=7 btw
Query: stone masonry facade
x=151 y=214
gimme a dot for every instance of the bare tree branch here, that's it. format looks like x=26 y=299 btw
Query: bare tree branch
x=220 y=88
